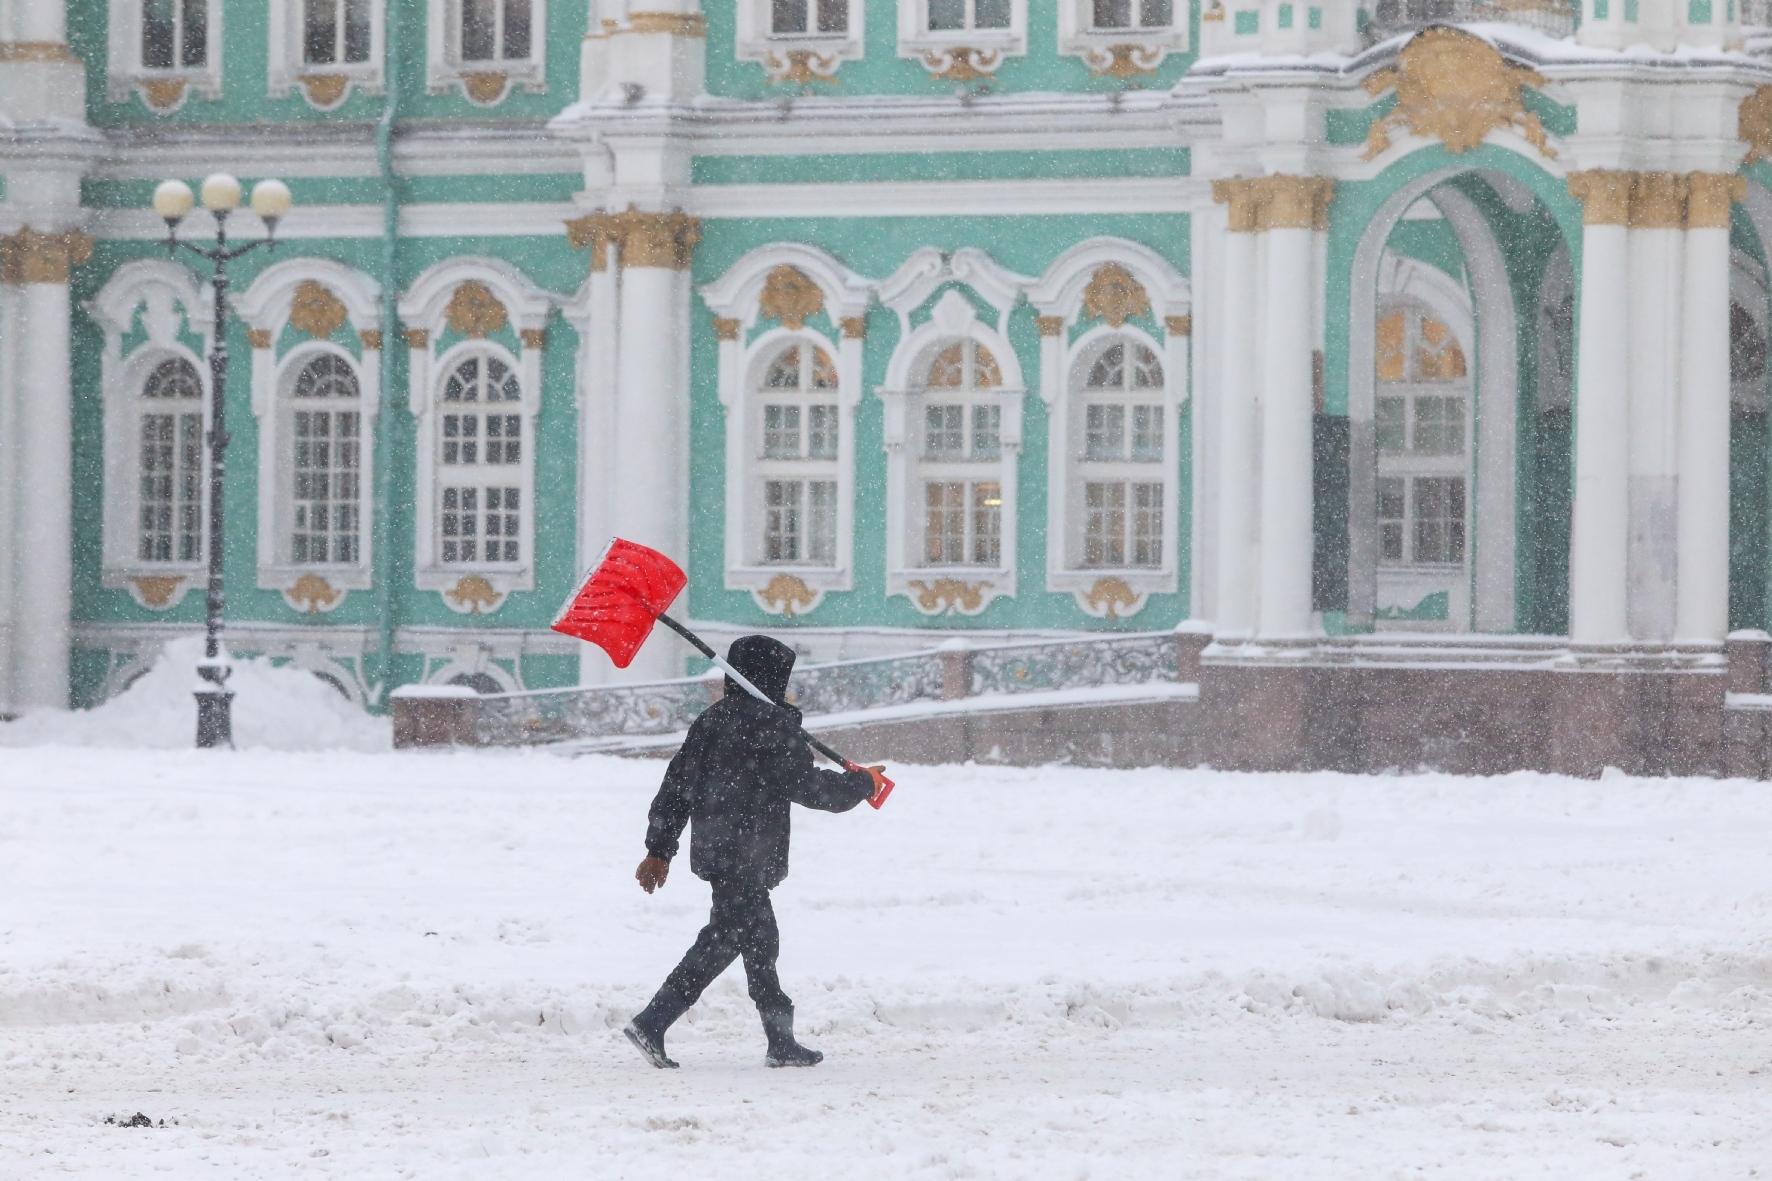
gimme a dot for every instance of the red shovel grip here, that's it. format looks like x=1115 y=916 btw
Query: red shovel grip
x=879 y=797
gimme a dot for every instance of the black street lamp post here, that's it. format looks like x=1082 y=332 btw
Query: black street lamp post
x=173 y=201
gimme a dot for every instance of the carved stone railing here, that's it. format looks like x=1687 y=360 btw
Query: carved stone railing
x=1555 y=18
x=448 y=715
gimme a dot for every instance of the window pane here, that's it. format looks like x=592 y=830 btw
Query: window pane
x=821 y=525
x=784 y=371
x=1147 y=371
x=1147 y=524
x=833 y=16
x=1104 y=524
x=1439 y=507
x=479 y=30
x=195 y=47
x=947 y=14
x=781 y=432
x=788 y=16
x=987 y=432
x=1439 y=425
x=1113 y=14
x=1390 y=424
x=944 y=433
x=516 y=43
x=159 y=33
x=1147 y=433
x=326 y=486
x=991 y=14
x=1391 y=510
x=781 y=520
x=821 y=435
x=1104 y=432
x=320 y=33
x=1109 y=370
x=1157 y=14
x=987 y=524
x=944 y=534
x=357 y=34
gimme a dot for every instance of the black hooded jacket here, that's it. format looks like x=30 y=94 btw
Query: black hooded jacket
x=741 y=766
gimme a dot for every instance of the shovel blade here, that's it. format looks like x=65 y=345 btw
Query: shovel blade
x=621 y=599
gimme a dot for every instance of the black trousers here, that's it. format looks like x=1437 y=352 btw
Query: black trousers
x=742 y=924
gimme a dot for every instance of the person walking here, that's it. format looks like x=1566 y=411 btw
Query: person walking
x=742 y=765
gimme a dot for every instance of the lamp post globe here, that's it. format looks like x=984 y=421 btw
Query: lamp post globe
x=173 y=201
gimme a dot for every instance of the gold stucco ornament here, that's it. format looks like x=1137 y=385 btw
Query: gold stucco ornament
x=1755 y=124
x=1114 y=295
x=785 y=592
x=789 y=296
x=316 y=311
x=1456 y=88
x=474 y=311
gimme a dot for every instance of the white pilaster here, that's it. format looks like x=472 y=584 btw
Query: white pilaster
x=1238 y=463
x=1287 y=536
x=43 y=563
x=1599 y=532
x=1703 y=612
x=1655 y=263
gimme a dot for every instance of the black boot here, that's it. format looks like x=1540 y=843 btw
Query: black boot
x=778 y=1024
x=647 y=1029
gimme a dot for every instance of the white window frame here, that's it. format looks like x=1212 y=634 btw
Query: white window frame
x=163 y=300
x=126 y=73
x=792 y=56
x=1080 y=470
x=744 y=353
x=952 y=317
x=424 y=312
x=1067 y=350
x=1134 y=50
x=445 y=68
x=289 y=370
x=936 y=49
x=1404 y=584
x=277 y=358
x=324 y=86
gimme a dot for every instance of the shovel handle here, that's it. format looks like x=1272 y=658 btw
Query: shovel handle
x=701 y=646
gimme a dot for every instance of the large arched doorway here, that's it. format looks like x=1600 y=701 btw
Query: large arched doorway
x=1461 y=334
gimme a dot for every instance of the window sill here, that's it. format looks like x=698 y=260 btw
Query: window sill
x=787 y=589
x=1113 y=592
x=486 y=84
x=949 y=590
x=800 y=58
x=163 y=91
x=469 y=589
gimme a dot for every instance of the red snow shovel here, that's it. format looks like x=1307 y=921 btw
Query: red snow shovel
x=626 y=593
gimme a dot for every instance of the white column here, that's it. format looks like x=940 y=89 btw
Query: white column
x=651 y=436
x=1598 y=535
x=43 y=563
x=1657 y=215
x=9 y=453
x=596 y=426
x=1287 y=535
x=1237 y=462
x=39 y=22
x=1704 y=412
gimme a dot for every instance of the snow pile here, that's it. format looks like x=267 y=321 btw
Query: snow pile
x=284 y=708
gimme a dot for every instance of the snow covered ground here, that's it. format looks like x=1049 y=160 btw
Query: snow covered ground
x=379 y=965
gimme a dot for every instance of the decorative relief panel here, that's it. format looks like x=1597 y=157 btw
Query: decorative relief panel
x=1454 y=87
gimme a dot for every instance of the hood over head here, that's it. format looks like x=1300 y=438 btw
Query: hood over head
x=766 y=662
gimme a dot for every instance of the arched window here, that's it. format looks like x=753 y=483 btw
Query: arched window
x=481 y=483
x=326 y=440
x=1120 y=430
x=796 y=432
x=169 y=503
x=960 y=452
x=1422 y=423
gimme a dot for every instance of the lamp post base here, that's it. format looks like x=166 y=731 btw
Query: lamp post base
x=215 y=707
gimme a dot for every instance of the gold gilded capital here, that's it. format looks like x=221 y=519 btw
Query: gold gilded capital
x=418 y=338
x=1276 y=202
x=1243 y=196
x=1658 y=201
x=1296 y=202
x=854 y=327
x=725 y=328
x=1050 y=325
x=30 y=257
x=370 y=338
x=1709 y=197
x=35 y=51
x=664 y=240
x=1604 y=196
x=1179 y=325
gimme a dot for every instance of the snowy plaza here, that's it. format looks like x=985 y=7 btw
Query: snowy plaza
x=367 y=964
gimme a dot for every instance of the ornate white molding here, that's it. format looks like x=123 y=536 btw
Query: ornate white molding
x=799 y=58
x=324 y=85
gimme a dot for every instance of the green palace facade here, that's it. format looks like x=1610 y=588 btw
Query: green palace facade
x=1440 y=324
